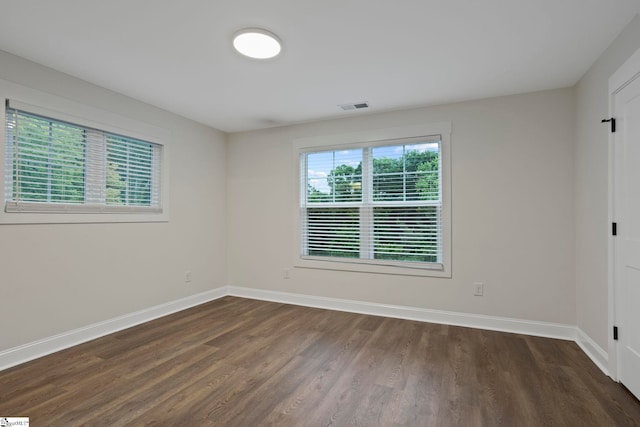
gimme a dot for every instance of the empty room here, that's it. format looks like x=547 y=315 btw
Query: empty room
x=329 y=213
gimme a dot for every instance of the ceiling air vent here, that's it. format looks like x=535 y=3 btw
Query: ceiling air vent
x=357 y=106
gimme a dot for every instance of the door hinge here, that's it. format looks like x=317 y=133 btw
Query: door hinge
x=614 y=228
x=615 y=333
x=613 y=123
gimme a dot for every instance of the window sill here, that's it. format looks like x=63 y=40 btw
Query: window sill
x=81 y=218
x=361 y=266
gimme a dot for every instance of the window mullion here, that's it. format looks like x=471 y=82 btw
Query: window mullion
x=11 y=175
x=50 y=160
x=95 y=167
x=304 y=210
x=404 y=173
x=127 y=187
x=366 y=211
x=333 y=162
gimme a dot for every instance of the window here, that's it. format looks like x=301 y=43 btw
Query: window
x=378 y=203
x=56 y=166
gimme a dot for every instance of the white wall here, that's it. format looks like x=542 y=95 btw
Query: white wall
x=55 y=278
x=513 y=210
x=591 y=178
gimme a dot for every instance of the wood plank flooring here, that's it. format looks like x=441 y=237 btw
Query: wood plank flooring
x=240 y=362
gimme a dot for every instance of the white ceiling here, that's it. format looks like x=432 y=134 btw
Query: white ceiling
x=177 y=55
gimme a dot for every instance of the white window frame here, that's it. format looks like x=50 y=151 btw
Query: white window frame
x=62 y=109
x=368 y=138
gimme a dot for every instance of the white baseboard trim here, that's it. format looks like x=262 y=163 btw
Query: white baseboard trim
x=24 y=353
x=593 y=350
x=502 y=324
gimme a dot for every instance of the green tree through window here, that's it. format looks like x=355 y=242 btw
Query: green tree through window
x=49 y=165
x=56 y=166
x=129 y=171
x=395 y=216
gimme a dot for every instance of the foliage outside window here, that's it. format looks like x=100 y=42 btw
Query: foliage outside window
x=55 y=166
x=379 y=204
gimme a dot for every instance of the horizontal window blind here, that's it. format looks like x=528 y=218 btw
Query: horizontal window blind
x=55 y=166
x=48 y=159
x=131 y=173
x=380 y=204
x=333 y=232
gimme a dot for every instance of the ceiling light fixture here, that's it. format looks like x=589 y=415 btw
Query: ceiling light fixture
x=257 y=43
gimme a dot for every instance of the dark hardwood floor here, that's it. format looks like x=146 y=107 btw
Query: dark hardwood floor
x=240 y=362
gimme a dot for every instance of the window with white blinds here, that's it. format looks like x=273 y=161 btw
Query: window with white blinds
x=379 y=203
x=53 y=166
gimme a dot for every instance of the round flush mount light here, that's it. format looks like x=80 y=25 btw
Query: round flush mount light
x=257 y=43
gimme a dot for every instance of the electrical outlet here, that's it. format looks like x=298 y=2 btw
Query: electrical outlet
x=187 y=276
x=478 y=289
x=286 y=274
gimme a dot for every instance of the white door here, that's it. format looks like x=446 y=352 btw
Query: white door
x=626 y=140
